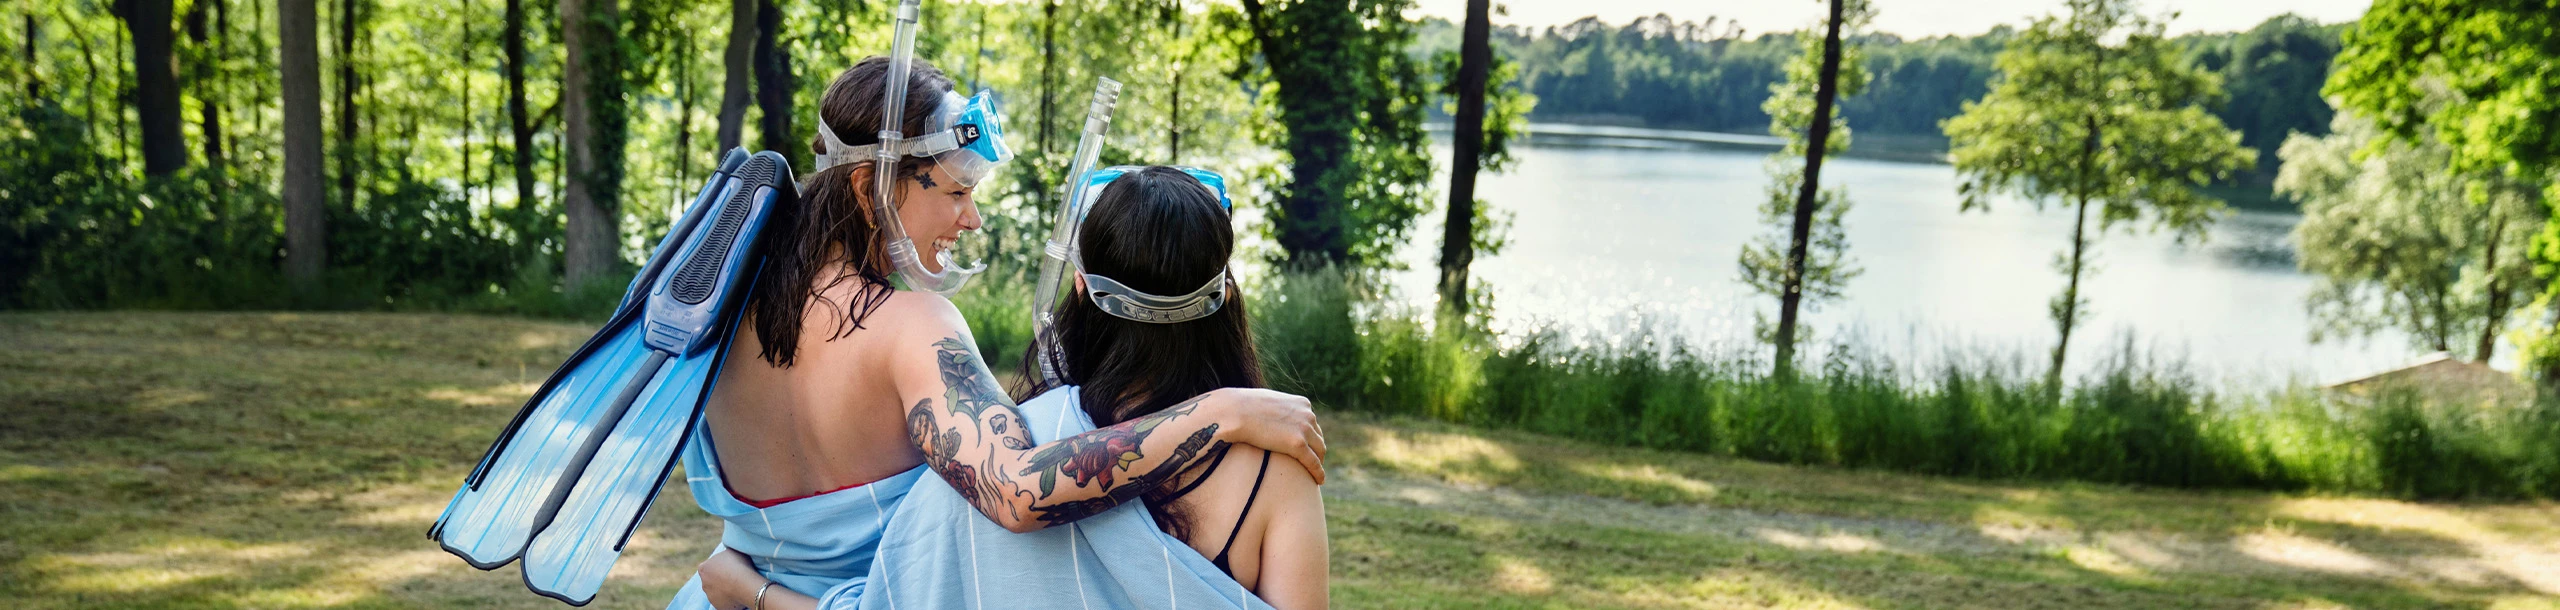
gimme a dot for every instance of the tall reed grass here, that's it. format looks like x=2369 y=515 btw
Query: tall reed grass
x=2135 y=421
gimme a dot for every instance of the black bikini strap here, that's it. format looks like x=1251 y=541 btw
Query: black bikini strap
x=1221 y=560
x=1220 y=456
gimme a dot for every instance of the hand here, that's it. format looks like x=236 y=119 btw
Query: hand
x=1278 y=422
x=729 y=580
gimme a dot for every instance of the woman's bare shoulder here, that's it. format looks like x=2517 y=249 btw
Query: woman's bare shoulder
x=895 y=318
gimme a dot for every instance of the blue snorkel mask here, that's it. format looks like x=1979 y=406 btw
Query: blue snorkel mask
x=967 y=143
x=1127 y=303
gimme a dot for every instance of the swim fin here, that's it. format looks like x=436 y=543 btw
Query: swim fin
x=569 y=480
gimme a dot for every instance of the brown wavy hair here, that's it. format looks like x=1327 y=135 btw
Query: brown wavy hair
x=1160 y=231
x=831 y=238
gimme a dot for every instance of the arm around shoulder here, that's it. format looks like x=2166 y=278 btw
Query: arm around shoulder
x=971 y=433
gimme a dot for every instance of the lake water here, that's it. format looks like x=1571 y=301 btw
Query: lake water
x=1605 y=237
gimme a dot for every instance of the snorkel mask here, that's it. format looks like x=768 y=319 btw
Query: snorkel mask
x=1127 y=303
x=1109 y=295
x=967 y=145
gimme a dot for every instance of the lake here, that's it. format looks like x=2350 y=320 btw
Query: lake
x=1604 y=237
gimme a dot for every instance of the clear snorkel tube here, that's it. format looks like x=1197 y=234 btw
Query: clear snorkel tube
x=884 y=171
x=1053 y=267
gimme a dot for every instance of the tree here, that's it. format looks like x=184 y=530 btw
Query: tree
x=1457 y=241
x=774 y=85
x=2491 y=60
x=1472 y=227
x=734 y=68
x=35 y=84
x=596 y=117
x=520 y=129
x=155 y=85
x=1349 y=102
x=2273 y=74
x=305 y=206
x=348 y=83
x=2089 y=109
x=2399 y=242
x=201 y=73
x=1813 y=261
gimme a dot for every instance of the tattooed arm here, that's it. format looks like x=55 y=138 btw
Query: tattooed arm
x=972 y=436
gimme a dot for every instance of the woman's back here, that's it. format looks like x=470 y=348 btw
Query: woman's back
x=1266 y=522
x=822 y=424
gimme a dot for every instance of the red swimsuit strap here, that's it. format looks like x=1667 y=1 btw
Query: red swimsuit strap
x=733 y=492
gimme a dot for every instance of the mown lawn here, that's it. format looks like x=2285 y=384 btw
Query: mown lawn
x=169 y=460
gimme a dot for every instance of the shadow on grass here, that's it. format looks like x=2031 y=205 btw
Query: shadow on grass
x=269 y=460
x=2243 y=548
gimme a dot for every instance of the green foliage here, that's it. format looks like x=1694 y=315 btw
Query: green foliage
x=2493 y=56
x=2401 y=242
x=2095 y=108
x=1303 y=324
x=78 y=235
x=1827 y=267
x=1506 y=106
x=2478 y=77
x=2135 y=420
x=1348 y=102
x=2273 y=74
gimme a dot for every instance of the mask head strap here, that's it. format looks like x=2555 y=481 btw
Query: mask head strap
x=1127 y=303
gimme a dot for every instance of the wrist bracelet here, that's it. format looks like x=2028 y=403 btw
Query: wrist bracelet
x=759 y=603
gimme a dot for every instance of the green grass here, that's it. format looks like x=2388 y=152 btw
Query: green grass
x=251 y=460
x=2135 y=421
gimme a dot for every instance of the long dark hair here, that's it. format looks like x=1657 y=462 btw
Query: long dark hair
x=1158 y=231
x=832 y=223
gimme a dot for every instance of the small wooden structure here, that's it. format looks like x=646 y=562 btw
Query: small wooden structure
x=2443 y=379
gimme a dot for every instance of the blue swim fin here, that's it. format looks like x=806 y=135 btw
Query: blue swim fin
x=568 y=481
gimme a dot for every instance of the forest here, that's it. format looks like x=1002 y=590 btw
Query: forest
x=514 y=156
x=1711 y=76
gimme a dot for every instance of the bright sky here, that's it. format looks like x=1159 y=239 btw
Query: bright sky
x=1909 y=18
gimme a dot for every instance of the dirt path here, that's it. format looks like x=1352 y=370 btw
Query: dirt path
x=2481 y=561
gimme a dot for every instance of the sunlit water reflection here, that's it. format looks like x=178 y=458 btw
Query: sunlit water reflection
x=1605 y=237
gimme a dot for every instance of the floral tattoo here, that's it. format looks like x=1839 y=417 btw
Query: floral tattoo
x=1101 y=469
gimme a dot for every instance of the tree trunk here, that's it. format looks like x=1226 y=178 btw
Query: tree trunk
x=88 y=60
x=2496 y=313
x=155 y=85
x=520 y=126
x=774 y=85
x=347 y=123
x=468 y=120
x=1048 y=74
x=735 y=72
x=305 y=211
x=684 y=123
x=202 y=73
x=1826 y=89
x=1319 y=143
x=2066 y=311
x=589 y=100
x=35 y=85
x=1457 y=240
x=123 y=88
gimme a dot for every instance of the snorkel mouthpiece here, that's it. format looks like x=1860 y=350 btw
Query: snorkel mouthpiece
x=884 y=177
